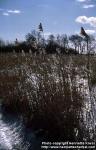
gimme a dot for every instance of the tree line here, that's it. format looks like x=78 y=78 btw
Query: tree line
x=36 y=42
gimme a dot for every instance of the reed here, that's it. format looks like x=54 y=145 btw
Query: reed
x=43 y=90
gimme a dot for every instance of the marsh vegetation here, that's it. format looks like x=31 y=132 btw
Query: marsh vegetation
x=55 y=95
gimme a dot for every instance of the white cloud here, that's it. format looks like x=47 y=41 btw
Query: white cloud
x=86 y=20
x=90 y=31
x=9 y=12
x=82 y=19
x=14 y=11
x=82 y=0
x=5 y=14
x=88 y=6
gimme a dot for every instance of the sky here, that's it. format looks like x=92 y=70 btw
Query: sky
x=19 y=17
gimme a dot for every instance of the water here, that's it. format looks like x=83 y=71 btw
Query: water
x=14 y=135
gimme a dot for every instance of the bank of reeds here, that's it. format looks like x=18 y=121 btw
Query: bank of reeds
x=44 y=91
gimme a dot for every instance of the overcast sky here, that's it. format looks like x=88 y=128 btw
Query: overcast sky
x=18 y=17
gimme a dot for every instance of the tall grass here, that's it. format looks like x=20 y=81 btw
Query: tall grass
x=43 y=89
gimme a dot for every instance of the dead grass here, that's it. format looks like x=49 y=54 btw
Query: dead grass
x=43 y=89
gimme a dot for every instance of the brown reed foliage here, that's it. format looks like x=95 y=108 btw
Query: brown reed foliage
x=43 y=90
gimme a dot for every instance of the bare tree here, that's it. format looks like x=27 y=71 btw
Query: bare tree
x=74 y=41
x=2 y=43
x=31 y=38
x=92 y=44
x=64 y=41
